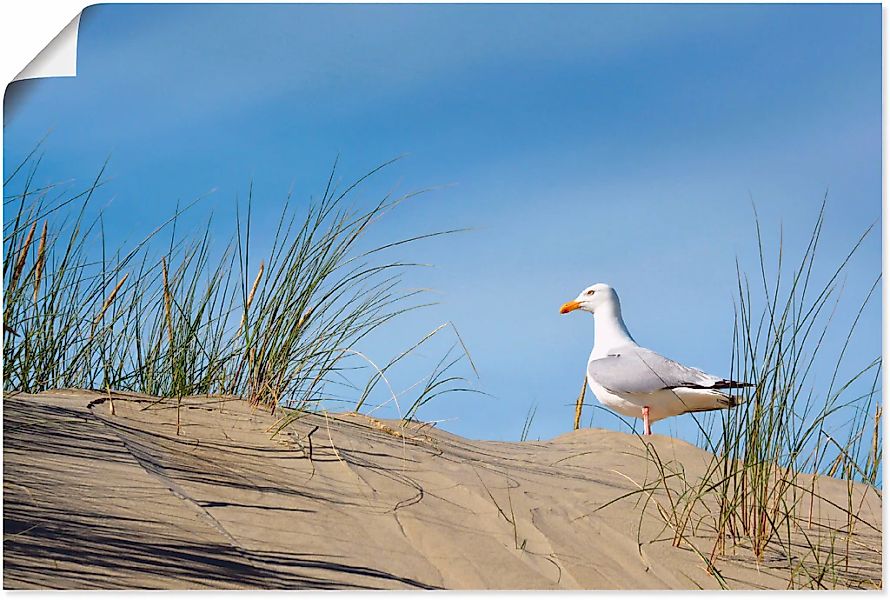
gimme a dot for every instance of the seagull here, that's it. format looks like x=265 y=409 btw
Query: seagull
x=637 y=382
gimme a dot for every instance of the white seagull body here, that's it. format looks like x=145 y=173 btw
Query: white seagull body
x=637 y=382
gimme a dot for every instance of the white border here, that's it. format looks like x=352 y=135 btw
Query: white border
x=28 y=26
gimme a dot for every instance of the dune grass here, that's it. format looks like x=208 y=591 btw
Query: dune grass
x=802 y=422
x=529 y=419
x=178 y=314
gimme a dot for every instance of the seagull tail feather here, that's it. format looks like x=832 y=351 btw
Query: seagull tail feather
x=731 y=383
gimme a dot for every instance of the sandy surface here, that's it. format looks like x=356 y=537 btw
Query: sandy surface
x=105 y=494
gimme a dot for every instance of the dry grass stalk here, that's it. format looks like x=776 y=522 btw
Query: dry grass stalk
x=304 y=317
x=167 y=303
x=23 y=255
x=580 y=403
x=876 y=434
x=110 y=299
x=256 y=283
x=110 y=400
x=41 y=260
x=398 y=433
x=251 y=369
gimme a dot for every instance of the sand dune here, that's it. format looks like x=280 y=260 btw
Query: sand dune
x=103 y=493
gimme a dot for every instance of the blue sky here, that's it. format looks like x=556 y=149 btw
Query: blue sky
x=614 y=143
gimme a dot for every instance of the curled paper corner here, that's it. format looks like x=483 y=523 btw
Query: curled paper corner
x=58 y=59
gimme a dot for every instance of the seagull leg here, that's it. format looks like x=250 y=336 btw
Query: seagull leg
x=647 y=429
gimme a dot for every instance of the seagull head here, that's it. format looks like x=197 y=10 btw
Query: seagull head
x=591 y=298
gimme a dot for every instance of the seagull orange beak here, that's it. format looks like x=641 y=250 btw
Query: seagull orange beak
x=569 y=307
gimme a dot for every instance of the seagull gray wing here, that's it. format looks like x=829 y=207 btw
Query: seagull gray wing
x=636 y=370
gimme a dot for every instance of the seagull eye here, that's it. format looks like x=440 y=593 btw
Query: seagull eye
x=590 y=292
